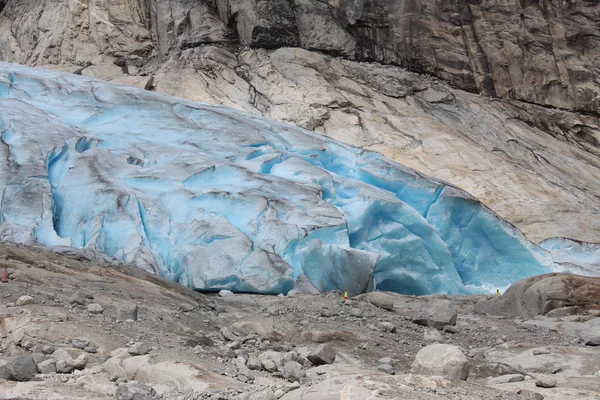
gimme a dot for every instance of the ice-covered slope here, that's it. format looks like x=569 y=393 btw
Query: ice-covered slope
x=215 y=198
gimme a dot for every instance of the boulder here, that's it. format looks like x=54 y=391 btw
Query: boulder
x=293 y=372
x=98 y=384
x=322 y=354
x=4 y=370
x=435 y=314
x=441 y=359
x=509 y=378
x=387 y=368
x=432 y=335
x=530 y=395
x=25 y=300
x=134 y=391
x=47 y=349
x=545 y=381
x=187 y=307
x=140 y=348
x=595 y=341
x=48 y=366
x=80 y=342
x=381 y=300
x=269 y=366
x=254 y=363
x=271 y=360
x=387 y=327
x=541 y=294
x=95 y=308
x=127 y=311
x=22 y=367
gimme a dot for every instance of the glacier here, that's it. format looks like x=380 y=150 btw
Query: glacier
x=584 y=255
x=216 y=199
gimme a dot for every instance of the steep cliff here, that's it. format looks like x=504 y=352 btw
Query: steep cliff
x=516 y=149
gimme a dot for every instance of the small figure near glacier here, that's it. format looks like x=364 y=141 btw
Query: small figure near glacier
x=497 y=292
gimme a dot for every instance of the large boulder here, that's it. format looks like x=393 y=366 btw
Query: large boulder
x=435 y=314
x=443 y=360
x=541 y=294
x=322 y=354
x=22 y=367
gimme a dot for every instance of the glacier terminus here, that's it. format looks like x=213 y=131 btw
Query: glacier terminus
x=216 y=199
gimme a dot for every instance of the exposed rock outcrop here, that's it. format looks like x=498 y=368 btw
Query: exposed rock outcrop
x=541 y=294
x=540 y=52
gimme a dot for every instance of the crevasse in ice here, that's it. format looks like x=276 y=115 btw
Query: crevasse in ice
x=218 y=199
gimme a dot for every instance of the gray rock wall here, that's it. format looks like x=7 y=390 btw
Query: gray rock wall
x=544 y=51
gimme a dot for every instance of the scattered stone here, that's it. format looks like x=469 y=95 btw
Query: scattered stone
x=47 y=349
x=186 y=307
x=387 y=368
x=25 y=300
x=4 y=370
x=537 y=352
x=432 y=335
x=47 y=366
x=530 y=395
x=95 y=308
x=385 y=360
x=387 y=327
x=80 y=342
x=451 y=329
x=595 y=341
x=127 y=311
x=509 y=378
x=225 y=293
x=97 y=384
x=441 y=359
x=92 y=349
x=545 y=382
x=269 y=366
x=293 y=372
x=322 y=354
x=253 y=363
x=22 y=367
x=77 y=298
x=234 y=345
x=356 y=312
x=135 y=391
x=381 y=300
x=266 y=394
x=64 y=367
x=140 y=348
x=229 y=335
x=242 y=378
x=328 y=313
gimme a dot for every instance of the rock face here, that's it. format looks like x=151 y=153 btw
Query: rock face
x=545 y=53
x=535 y=166
x=539 y=295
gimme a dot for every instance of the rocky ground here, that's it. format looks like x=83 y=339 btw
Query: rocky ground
x=74 y=328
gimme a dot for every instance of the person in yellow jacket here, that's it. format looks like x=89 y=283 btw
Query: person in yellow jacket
x=497 y=292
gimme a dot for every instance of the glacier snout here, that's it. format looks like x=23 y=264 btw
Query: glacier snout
x=217 y=199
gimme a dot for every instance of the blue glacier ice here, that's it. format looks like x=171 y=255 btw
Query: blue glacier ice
x=583 y=254
x=215 y=199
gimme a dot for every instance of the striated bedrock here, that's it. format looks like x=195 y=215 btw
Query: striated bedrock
x=543 y=52
x=214 y=198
